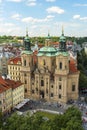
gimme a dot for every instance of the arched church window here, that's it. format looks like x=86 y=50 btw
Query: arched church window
x=60 y=65
x=24 y=62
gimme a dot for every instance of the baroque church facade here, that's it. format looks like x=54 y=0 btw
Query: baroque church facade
x=53 y=77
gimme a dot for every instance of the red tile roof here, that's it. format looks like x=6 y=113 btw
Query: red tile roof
x=6 y=84
x=3 y=85
x=13 y=84
x=15 y=60
x=72 y=66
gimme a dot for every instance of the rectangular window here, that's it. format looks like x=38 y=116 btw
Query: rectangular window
x=60 y=65
x=25 y=90
x=60 y=86
x=42 y=82
x=51 y=94
x=59 y=95
x=73 y=87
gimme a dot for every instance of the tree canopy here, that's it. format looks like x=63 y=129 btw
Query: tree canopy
x=70 y=120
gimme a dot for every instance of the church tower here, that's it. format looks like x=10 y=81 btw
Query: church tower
x=27 y=65
x=61 y=71
x=48 y=40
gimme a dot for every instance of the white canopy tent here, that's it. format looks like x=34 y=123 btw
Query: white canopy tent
x=22 y=103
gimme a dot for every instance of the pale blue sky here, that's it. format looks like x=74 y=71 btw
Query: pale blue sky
x=41 y=16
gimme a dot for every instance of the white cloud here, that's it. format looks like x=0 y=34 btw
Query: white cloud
x=14 y=0
x=83 y=18
x=16 y=16
x=80 y=18
x=55 y=9
x=35 y=20
x=9 y=24
x=0 y=1
x=50 y=16
x=50 y=0
x=1 y=19
x=80 y=5
x=31 y=2
x=10 y=29
x=76 y=16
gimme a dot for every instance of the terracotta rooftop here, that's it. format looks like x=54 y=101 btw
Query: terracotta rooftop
x=15 y=60
x=3 y=85
x=72 y=66
x=6 y=84
x=13 y=84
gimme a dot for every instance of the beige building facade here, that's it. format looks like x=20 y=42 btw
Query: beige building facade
x=17 y=91
x=14 y=67
x=11 y=94
x=54 y=77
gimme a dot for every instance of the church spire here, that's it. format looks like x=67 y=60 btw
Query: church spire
x=27 y=32
x=48 y=40
x=62 y=41
x=27 y=43
x=62 y=31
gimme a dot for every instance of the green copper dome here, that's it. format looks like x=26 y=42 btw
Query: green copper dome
x=62 y=38
x=27 y=52
x=27 y=39
x=62 y=53
x=47 y=51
